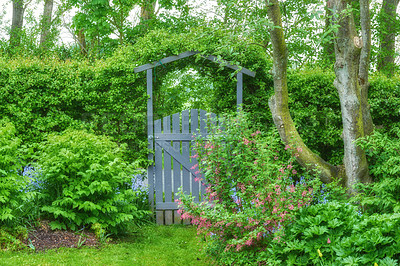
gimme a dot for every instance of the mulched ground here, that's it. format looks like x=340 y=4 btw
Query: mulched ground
x=43 y=238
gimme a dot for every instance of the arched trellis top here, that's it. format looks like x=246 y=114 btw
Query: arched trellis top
x=150 y=66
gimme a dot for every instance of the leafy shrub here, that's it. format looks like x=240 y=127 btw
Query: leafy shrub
x=338 y=234
x=383 y=151
x=10 y=181
x=253 y=189
x=86 y=181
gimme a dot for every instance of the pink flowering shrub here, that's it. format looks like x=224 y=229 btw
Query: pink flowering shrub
x=252 y=184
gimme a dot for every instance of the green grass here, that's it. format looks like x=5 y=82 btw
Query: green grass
x=151 y=245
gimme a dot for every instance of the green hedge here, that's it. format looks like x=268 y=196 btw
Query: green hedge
x=45 y=95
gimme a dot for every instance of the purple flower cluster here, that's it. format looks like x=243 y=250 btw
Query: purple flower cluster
x=33 y=181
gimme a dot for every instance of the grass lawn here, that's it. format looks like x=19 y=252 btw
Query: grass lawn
x=151 y=245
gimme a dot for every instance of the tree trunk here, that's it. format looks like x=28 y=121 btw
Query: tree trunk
x=82 y=42
x=17 y=23
x=348 y=50
x=387 y=36
x=147 y=10
x=46 y=22
x=279 y=103
x=328 y=52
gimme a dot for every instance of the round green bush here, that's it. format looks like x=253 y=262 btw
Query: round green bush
x=85 y=180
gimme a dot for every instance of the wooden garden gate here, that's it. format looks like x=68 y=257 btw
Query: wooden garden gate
x=174 y=163
x=171 y=139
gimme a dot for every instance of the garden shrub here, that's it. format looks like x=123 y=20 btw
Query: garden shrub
x=253 y=189
x=383 y=152
x=338 y=234
x=85 y=180
x=10 y=181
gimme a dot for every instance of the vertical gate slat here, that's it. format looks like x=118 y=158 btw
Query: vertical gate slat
x=185 y=152
x=167 y=172
x=203 y=131
x=176 y=146
x=193 y=129
x=167 y=163
x=158 y=165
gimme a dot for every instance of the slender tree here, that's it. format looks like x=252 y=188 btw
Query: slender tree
x=387 y=36
x=46 y=22
x=147 y=10
x=17 y=22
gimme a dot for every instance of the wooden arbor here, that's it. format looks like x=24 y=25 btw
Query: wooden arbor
x=162 y=183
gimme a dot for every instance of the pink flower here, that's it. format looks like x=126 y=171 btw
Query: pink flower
x=299 y=149
x=282 y=170
x=287 y=147
x=246 y=141
x=291 y=207
x=294 y=172
x=329 y=241
x=194 y=166
x=276 y=158
x=289 y=166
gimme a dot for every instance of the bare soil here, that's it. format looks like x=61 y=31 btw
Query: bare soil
x=43 y=238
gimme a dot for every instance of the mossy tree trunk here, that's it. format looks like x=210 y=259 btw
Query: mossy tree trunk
x=279 y=102
x=351 y=68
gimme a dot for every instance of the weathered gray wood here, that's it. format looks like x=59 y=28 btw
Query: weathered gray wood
x=234 y=67
x=203 y=131
x=185 y=152
x=177 y=218
x=167 y=163
x=186 y=221
x=160 y=217
x=158 y=166
x=150 y=169
x=173 y=136
x=182 y=160
x=166 y=60
x=190 y=53
x=239 y=89
x=168 y=217
x=167 y=206
x=194 y=124
x=176 y=148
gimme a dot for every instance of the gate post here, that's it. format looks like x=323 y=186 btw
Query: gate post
x=150 y=134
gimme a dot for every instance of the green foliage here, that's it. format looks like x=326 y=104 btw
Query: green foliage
x=383 y=153
x=11 y=240
x=342 y=234
x=251 y=188
x=148 y=245
x=86 y=181
x=384 y=98
x=315 y=108
x=10 y=182
x=41 y=96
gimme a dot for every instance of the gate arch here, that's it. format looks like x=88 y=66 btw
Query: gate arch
x=172 y=142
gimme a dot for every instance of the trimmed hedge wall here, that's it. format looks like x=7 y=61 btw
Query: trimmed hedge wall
x=41 y=96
